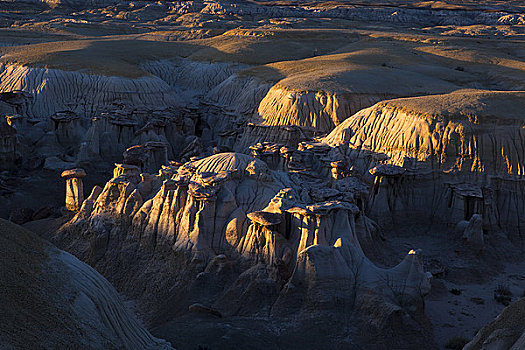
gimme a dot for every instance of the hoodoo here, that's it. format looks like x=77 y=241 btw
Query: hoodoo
x=8 y=151
x=262 y=174
x=74 y=188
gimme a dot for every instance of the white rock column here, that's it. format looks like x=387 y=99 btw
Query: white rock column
x=74 y=188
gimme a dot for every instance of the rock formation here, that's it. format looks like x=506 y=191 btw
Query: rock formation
x=505 y=332
x=445 y=139
x=51 y=299
x=81 y=93
x=74 y=188
x=473 y=233
x=8 y=144
x=272 y=163
x=232 y=207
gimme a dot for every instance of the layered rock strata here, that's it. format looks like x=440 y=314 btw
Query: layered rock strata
x=232 y=207
x=52 y=299
x=460 y=155
x=85 y=94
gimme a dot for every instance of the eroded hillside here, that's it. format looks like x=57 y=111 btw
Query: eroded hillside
x=271 y=174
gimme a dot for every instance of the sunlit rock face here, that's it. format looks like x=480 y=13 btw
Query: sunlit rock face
x=268 y=170
x=84 y=94
x=462 y=131
x=466 y=144
x=245 y=225
x=74 y=188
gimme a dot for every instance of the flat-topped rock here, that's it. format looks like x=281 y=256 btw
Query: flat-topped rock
x=299 y=210
x=468 y=190
x=387 y=170
x=324 y=207
x=74 y=188
x=73 y=173
x=126 y=169
x=317 y=147
x=135 y=155
x=323 y=194
x=265 y=218
x=64 y=116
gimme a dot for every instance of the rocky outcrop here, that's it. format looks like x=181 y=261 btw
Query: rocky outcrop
x=74 y=188
x=423 y=16
x=506 y=332
x=258 y=133
x=467 y=144
x=298 y=242
x=85 y=94
x=67 y=128
x=231 y=207
x=157 y=135
x=52 y=299
x=317 y=97
x=190 y=206
x=16 y=102
x=319 y=110
x=474 y=131
x=8 y=144
x=148 y=157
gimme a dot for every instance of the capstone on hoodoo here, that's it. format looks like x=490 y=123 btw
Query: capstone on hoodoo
x=303 y=241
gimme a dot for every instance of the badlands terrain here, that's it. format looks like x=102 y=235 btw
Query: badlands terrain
x=262 y=174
